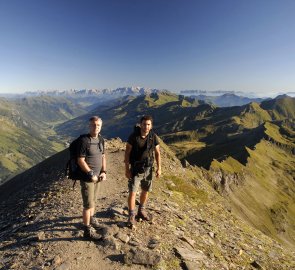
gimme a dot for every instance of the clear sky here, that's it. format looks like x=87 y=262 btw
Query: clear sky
x=245 y=45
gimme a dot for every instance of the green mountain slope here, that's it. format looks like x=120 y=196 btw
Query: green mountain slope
x=26 y=131
x=216 y=132
x=263 y=191
x=119 y=119
x=282 y=107
x=48 y=109
x=20 y=149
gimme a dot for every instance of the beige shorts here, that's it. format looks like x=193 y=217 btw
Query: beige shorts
x=89 y=191
x=144 y=180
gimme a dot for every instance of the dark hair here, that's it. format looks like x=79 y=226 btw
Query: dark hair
x=146 y=118
x=94 y=118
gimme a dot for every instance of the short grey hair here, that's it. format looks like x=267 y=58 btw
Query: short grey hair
x=95 y=118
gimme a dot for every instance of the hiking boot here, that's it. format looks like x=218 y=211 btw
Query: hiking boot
x=143 y=215
x=131 y=221
x=90 y=234
x=94 y=223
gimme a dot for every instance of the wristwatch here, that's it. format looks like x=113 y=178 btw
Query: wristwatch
x=90 y=173
x=103 y=172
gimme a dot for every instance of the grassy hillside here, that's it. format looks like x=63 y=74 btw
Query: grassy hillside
x=263 y=191
x=48 y=109
x=26 y=131
x=217 y=132
x=171 y=113
x=282 y=107
x=20 y=149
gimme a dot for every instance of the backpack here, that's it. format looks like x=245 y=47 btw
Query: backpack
x=73 y=170
x=150 y=147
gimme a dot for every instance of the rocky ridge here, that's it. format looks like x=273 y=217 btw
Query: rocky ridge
x=40 y=225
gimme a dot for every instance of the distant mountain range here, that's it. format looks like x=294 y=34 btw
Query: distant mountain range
x=122 y=91
x=227 y=100
x=220 y=98
x=213 y=93
x=237 y=93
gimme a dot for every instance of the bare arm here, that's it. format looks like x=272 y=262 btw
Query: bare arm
x=83 y=165
x=104 y=163
x=103 y=175
x=126 y=160
x=158 y=160
x=85 y=168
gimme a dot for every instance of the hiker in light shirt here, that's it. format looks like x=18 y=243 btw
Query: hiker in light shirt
x=92 y=162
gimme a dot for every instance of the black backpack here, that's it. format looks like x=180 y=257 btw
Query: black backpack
x=73 y=170
x=150 y=146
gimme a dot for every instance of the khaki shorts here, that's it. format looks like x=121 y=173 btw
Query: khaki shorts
x=89 y=192
x=144 y=180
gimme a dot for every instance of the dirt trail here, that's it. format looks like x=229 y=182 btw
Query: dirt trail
x=55 y=219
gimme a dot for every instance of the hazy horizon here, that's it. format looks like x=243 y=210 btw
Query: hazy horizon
x=216 y=92
x=243 y=46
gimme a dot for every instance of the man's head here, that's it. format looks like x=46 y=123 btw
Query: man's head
x=146 y=124
x=95 y=124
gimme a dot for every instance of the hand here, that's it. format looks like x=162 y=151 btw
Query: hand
x=158 y=172
x=128 y=173
x=102 y=176
x=94 y=178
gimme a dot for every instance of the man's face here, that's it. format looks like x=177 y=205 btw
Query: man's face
x=95 y=126
x=146 y=126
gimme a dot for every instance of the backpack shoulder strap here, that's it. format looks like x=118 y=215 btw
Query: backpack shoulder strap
x=151 y=144
x=152 y=138
x=101 y=143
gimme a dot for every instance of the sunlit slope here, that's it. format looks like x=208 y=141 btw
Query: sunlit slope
x=118 y=120
x=198 y=132
x=20 y=149
x=283 y=107
x=263 y=191
x=48 y=109
x=26 y=131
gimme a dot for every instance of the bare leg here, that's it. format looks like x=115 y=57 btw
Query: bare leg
x=131 y=200
x=92 y=211
x=87 y=215
x=143 y=197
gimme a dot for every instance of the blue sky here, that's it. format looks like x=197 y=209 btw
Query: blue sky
x=167 y=44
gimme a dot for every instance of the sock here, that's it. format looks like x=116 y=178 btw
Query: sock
x=87 y=227
x=141 y=206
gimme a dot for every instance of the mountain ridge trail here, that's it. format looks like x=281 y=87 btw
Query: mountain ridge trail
x=41 y=223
